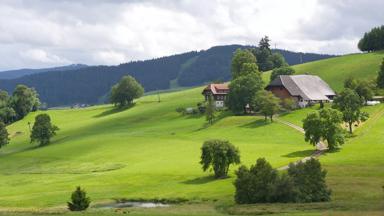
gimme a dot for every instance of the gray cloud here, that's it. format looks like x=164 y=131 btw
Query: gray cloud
x=42 y=33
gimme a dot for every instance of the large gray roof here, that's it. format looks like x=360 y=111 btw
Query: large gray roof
x=309 y=87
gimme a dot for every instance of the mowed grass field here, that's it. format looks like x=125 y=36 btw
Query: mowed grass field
x=148 y=151
x=151 y=151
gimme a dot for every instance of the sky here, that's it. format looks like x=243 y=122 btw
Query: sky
x=46 y=33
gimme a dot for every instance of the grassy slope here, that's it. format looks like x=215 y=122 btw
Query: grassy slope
x=335 y=70
x=150 y=151
x=147 y=151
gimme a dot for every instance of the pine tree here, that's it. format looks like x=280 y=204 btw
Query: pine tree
x=80 y=201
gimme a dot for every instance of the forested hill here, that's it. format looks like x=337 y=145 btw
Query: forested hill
x=90 y=84
x=12 y=74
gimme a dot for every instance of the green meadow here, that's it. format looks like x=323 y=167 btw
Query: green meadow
x=150 y=151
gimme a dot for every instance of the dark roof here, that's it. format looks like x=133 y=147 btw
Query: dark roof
x=217 y=88
x=309 y=87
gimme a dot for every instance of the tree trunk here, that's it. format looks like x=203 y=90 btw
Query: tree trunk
x=350 y=127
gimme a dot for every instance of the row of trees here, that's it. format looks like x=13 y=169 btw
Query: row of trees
x=22 y=101
x=372 y=40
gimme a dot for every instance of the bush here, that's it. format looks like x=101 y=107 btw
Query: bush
x=255 y=185
x=309 y=179
x=304 y=182
x=80 y=201
x=180 y=110
x=288 y=104
x=219 y=154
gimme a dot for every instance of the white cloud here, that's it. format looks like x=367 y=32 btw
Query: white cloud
x=42 y=56
x=40 y=33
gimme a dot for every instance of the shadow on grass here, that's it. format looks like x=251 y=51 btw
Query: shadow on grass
x=256 y=124
x=303 y=153
x=200 y=180
x=114 y=111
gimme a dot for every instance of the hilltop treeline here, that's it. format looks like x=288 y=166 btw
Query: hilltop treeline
x=91 y=84
x=372 y=40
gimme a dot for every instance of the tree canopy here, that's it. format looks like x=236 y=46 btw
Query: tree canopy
x=350 y=104
x=125 y=91
x=24 y=100
x=324 y=125
x=372 y=40
x=241 y=57
x=281 y=71
x=219 y=154
x=266 y=59
x=43 y=130
x=243 y=91
x=380 y=77
x=210 y=110
x=267 y=103
x=4 y=136
x=304 y=182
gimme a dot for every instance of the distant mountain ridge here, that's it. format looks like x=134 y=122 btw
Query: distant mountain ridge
x=90 y=84
x=12 y=74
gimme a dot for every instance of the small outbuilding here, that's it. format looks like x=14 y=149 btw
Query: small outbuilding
x=219 y=93
x=303 y=89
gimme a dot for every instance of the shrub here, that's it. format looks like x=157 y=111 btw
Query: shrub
x=255 y=185
x=309 y=179
x=219 y=154
x=80 y=201
x=304 y=182
x=288 y=104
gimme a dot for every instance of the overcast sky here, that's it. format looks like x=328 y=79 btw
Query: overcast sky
x=44 y=33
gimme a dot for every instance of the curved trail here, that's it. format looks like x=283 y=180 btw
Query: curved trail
x=320 y=147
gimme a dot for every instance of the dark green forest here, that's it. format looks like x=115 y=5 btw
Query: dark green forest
x=89 y=85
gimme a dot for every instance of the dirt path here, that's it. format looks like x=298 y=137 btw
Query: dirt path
x=320 y=147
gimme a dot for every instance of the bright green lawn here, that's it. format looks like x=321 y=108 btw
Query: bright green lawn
x=150 y=151
x=147 y=151
x=335 y=70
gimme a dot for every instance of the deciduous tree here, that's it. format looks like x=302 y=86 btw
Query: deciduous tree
x=267 y=103
x=241 y=57
x=43 y=130
x=125 y=91
x=380 y=77
x=24 y=100
x=281 y=71
x=4 y=136
x=219 y=154
x=210 y=110
x=243 y=90
x=350 y=103
x=324 y=125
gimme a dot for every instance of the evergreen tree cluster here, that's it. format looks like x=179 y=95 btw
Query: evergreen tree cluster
x=372 y=40
x=91 y=85
x=266 y=59
x=304 y=182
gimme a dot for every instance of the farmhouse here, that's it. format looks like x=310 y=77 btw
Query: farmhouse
x=303 y=89
x=219 y=93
